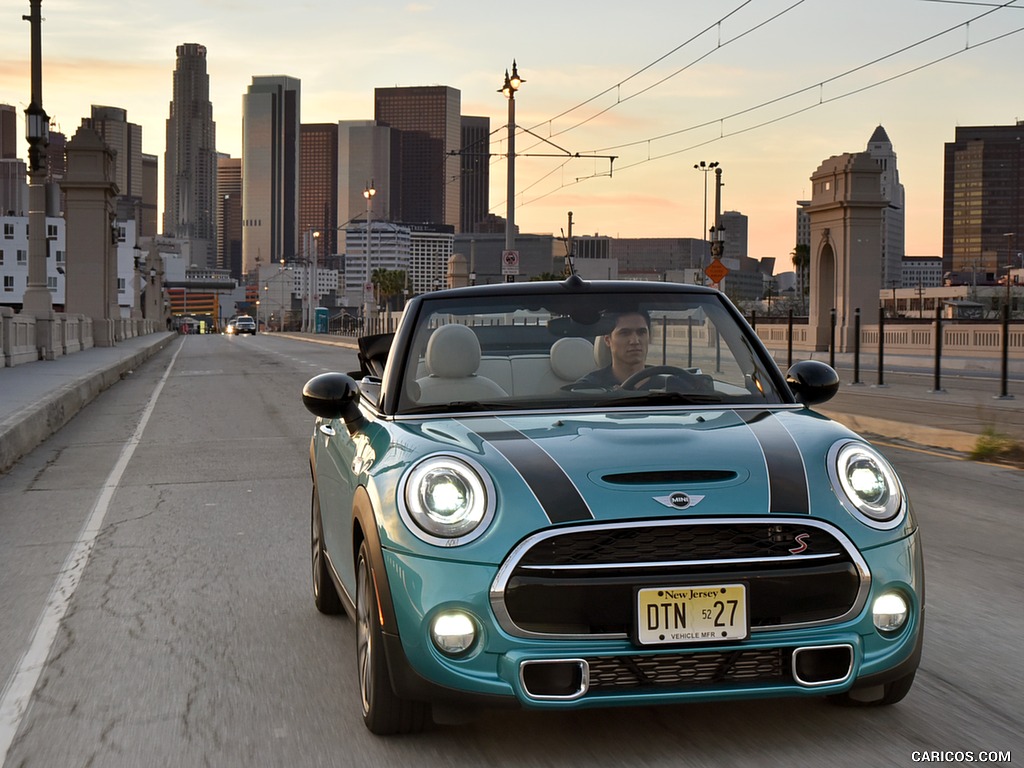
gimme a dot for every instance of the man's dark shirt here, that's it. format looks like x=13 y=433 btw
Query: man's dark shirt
x=602 y=377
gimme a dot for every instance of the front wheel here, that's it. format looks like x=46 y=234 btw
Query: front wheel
x=384 y=712
x=325 y=594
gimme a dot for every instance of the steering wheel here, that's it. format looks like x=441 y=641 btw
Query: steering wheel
x=660 y=370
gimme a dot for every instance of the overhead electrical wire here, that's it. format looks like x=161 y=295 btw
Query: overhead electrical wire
x=993 y=8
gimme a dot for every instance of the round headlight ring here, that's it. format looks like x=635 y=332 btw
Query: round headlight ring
x=866 y=484
x=447 y=500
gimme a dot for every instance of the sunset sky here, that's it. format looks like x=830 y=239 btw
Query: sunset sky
x=767 y=88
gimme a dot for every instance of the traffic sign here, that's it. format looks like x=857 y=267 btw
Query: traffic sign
x=510 y=262
x=716 y=271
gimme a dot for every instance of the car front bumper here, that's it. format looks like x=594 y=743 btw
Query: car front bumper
x=561 y=673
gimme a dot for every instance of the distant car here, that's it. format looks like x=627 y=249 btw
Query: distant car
x=229 y=328
x=245 y=324
x=508 y=520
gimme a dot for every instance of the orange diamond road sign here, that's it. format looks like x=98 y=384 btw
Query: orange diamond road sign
x=716 y=270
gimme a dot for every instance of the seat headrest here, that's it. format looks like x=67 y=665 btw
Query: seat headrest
x=601 y=354
x=453 y=352
x=572 y=358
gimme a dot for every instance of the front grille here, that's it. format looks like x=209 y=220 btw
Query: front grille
x=667 y=543
x=679 y=671
x=581 y=581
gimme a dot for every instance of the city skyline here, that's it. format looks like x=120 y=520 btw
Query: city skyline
x=718 y=80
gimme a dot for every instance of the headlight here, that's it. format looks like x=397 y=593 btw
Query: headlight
x=866 y=484
x=447 y=500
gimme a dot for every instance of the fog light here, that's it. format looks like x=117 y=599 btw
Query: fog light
x=889 y=612
x=453 y=632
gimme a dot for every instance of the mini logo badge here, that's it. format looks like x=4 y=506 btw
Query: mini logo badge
x=679 y=500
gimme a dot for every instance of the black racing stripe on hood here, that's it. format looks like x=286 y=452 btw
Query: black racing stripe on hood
x=558 y=496
x=787 y=477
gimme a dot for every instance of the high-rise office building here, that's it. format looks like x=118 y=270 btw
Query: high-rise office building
x=364 y=161
x=426 y=181
x=983 y=199
x=894 y=214
x=318 y=197
x=125 y=139
x=476 y=172
x=150 y=185
x=270 y=170
x=190 y=162
x=229 y=215
x=8 y=132
x=734 y=236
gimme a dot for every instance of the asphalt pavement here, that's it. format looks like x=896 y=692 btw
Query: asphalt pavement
x=37 y=399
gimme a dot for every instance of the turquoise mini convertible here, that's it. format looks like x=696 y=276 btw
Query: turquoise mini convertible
x=577 y=494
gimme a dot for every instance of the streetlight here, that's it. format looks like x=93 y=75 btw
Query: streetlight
x=36 y=300
x=1009 y=267
x=368 y=303
x=704 y=168
x=508 y=89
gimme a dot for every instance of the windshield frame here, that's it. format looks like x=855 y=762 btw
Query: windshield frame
x=561 y=300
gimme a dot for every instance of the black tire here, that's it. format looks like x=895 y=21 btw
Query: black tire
x=384 y=712
x=325 y=593
x=893 y=692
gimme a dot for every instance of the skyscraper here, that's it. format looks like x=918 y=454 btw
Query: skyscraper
x=8 y=132
x=190 y=162
x=318 y=197
x=894 y=214
x=476 y=171
x=229 y=215
x=364 y=158
x=270 y=170
x=125 y=139
x=983 y=198
x=427 y=138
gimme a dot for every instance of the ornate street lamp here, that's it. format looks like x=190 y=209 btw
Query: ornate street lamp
x=508 y=89
x=37 y=299
x=368 y=303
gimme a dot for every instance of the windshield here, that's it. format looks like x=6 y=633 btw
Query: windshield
x=591 y=350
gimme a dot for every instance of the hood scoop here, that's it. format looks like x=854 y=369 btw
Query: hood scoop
x=671 y=477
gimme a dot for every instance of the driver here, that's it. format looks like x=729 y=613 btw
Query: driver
x=628 y=342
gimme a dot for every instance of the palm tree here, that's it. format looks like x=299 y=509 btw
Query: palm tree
x=802 y=263
x=387 y=283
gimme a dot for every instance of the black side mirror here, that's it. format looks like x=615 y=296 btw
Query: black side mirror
x=334 y=396
x=812 y=381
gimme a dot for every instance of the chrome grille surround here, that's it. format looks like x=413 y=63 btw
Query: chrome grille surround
x=520 y=560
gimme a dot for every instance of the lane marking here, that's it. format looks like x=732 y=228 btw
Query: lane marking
x=17 y=692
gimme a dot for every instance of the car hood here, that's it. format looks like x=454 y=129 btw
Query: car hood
x=552 y=469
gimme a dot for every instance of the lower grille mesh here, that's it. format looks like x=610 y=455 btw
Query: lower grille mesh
x=680 y=671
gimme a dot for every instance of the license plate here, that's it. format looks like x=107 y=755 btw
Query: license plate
x=691 y=614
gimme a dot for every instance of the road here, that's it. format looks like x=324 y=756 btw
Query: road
x=190 y=637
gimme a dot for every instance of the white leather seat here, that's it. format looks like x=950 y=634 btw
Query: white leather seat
x=452 y=359
x=572 y=358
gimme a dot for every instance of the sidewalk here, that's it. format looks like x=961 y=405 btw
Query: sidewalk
x=37 y=399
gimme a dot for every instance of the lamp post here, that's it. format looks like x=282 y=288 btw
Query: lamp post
x=368 y=302
x=1009 y=265
x=37 y=300
x=705 y=168
x=508 y=89
x=280 y=274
